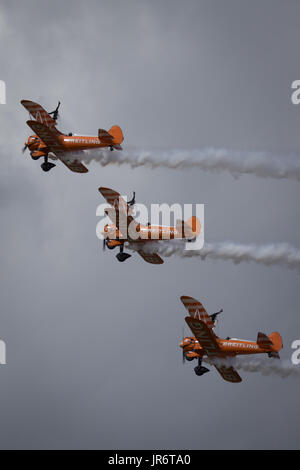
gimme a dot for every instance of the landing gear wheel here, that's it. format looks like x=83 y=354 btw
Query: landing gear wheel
x=200 y=370
x=122 y=257
x=46 y=166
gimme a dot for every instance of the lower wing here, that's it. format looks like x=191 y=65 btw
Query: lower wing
x=75 y=165
x=55 y=146
x=152 y=258
x=229 y=374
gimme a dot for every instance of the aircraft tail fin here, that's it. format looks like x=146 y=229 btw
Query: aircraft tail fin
x=189 y=229
x=276 y=340
x=264 y=341
x=272 y=343
x=117 y=134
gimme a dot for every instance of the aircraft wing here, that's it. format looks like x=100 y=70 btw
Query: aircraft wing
x=152 y=258
x=208 y=340
x=47 y=137
x=118 y=214
x=40 y=115
x=112 y=197
x=229 y=374
x=204 y=334
x=196 y=310
x=52 y=142
x=73 y=165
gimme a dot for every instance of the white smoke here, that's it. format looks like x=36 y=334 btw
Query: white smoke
x=280 y=254
x=261 y=164
x=263 y=365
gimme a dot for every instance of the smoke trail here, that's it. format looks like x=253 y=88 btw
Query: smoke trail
x=264 y=366
x=261 y=164
x=281 y=254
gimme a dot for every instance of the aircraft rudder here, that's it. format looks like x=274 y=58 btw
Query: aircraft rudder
x=195 y=225
x=117 y=134
x=276 y=340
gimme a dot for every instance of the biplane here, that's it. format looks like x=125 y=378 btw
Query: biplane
x=125 y=230
x=49 y=143
x=206 y=344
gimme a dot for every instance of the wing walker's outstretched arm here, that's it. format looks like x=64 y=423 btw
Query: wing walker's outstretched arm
x=54 y=113
x=214 y=315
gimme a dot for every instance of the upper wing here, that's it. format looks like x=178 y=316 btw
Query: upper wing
x=152 y=258
x=206 y=337
x=40 y=115
x=228 y=373
x=52 y=142
x=112 y=197
x=196 y=310
x=119 y=214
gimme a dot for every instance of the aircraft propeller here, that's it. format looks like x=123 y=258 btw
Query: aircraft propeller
x=24 y=148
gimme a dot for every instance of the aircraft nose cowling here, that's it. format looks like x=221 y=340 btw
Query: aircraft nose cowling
x=186 y=342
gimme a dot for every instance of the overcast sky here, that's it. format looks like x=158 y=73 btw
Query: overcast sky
x=92 y=344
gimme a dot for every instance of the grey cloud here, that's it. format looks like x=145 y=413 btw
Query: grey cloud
x=92 y=345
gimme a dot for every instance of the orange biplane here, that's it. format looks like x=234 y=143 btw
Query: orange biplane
x=205 y=343
x=126 y=230
x=49 y=142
